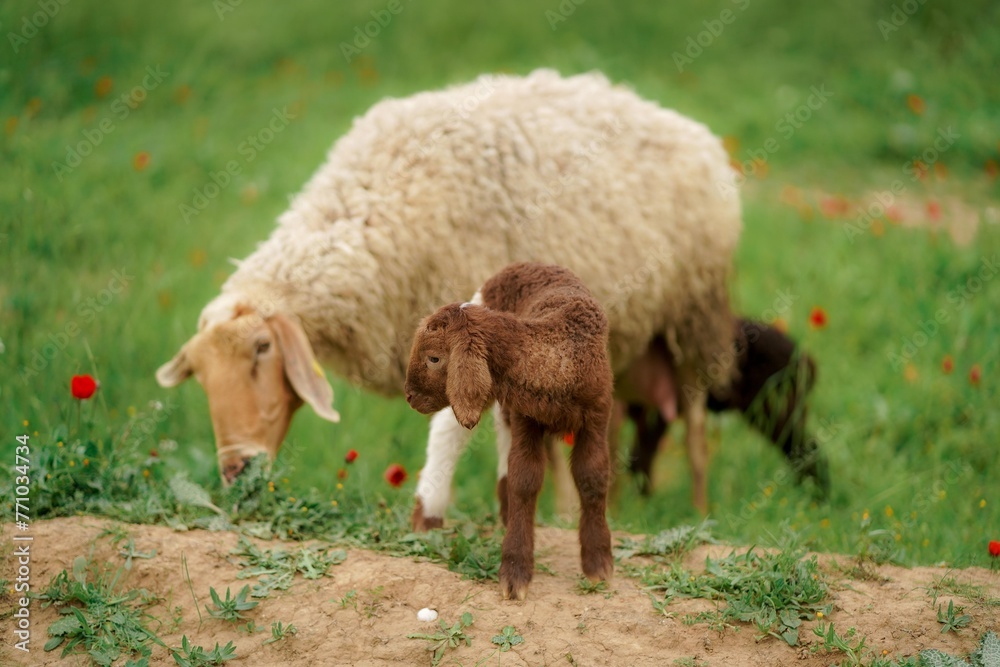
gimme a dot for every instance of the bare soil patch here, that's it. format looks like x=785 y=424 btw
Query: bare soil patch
x=559 y=626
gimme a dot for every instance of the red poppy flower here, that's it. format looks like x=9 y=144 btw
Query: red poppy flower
x=948 y=364
x=995 y=548
x=975 y=375
x=83 y=386
x=341 y=474
x=395 y=474
x=351 y=455
x=934 y=210
x=817 y=318
x=568 y=439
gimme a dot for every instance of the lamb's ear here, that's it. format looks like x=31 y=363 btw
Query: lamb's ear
x=174 y=371
x=303 y=371
x=469 y=384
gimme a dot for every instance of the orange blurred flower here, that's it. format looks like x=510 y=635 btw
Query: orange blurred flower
x=975 y=375
x=992 y=168
x=910 y=373
x=916 y=104
x=568 y=439
x=103 y=86
x=780 y=324
x=934 y=210
x=140 y=161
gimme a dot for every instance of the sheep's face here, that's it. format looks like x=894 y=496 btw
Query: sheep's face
x=256 y=373
x=427 y=373
x=448 y=366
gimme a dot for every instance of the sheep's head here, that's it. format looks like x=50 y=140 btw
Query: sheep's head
x=448 y=365
x=256 y=372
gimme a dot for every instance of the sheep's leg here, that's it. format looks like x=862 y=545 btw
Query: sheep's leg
x=614 y=442
x=694 y=401
x=445 y=444
x=502 y=429
x=590 y=464
x=650 y=427
x=524 y=481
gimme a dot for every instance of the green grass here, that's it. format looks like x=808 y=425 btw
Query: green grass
x=913 y=458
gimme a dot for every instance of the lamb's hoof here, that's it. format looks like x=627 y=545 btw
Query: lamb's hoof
x=598 y=567
x=512 y=591
x=514 y=581
x=423 y=523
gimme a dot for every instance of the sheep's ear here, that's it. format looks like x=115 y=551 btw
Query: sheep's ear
x=174 y=371
x=469 y=384
x=303 y=371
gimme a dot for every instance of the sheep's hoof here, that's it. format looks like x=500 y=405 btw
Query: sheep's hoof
x=423 y=523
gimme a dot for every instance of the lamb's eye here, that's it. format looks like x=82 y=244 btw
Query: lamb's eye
x=433 y=360
x=263 y=346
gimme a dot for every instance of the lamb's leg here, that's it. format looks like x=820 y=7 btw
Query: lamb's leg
x=590 y=464
x=445 y=444
x=524 y=481
x=502 y=429
x=694 y=401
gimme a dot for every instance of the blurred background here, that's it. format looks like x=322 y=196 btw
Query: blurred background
x=868 y=138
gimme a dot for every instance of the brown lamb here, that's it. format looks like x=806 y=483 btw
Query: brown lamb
x=538 y=347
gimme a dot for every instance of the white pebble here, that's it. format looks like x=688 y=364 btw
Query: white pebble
x=427 y=615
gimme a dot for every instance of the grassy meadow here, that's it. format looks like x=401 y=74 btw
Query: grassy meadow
x=115 y=120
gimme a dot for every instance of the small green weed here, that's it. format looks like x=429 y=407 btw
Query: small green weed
x=280 y=631
x=585 y=586
x=276 y=568
x=448 y=637
x=195 y=656
x=99 y=616
x=231 y=608
x=831 y=642
x=672 y=542
x=774 y=591
x=952 y=619
x=507 y=639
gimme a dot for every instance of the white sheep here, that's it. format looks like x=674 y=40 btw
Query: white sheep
x=427 y=196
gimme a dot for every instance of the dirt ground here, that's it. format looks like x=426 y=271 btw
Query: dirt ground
x=559 y=626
